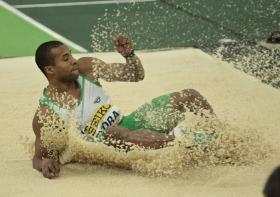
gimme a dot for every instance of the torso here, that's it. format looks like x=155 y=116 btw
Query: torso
x=63 y=98
x=90 y=104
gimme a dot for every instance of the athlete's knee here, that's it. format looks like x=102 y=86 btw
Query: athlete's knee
x=186 y=95
x=190 y=92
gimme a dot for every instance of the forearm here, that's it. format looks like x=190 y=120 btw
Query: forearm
x=93 y=69
x=132 y=70
x=136 y=68
x=37 y=163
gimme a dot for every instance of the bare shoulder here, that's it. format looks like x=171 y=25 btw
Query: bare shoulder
x=36 y=123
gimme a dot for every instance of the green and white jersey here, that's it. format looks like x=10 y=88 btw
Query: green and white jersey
x=94 y=111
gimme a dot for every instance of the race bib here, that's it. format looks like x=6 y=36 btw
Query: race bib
x=104 y=116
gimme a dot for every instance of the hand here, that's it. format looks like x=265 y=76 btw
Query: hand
x=124 y=45
x=85 y=64
x=50 y=168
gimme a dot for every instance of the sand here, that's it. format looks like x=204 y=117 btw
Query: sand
x=237 y=98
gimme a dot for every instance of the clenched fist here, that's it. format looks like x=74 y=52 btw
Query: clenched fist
x=85 y=64
x=124 y=45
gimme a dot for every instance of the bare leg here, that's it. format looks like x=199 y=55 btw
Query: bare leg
x=192 y=100
x=120 y=137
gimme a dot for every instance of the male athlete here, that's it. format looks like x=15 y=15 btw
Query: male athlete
x=99 y=119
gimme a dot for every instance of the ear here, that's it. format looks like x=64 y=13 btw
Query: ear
x=49 y=70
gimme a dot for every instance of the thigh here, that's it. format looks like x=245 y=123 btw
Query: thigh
x=191 y=100
x=156 y=115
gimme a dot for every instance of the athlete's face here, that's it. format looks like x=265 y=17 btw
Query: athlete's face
x=65 y=67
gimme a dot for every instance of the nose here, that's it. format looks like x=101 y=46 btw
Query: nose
x=73 y=61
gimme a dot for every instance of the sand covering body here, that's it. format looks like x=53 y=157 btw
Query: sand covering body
x=238 y=99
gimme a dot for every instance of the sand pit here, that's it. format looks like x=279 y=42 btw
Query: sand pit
x=237 y=98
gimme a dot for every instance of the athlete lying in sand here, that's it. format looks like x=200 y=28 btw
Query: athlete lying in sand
x=99 y=119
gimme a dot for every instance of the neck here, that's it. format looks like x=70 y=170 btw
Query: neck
x=64 y=86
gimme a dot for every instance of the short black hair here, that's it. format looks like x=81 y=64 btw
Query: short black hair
x=272 y=186
x=43 y=56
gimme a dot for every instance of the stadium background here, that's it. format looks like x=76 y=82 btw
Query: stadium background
x=152 y=25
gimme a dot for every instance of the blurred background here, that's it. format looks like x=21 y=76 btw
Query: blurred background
x=153 y=24
x=233 y=30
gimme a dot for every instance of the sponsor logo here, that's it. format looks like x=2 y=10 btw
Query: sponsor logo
x=110 y=120
x=97 y=100
x=98 y=118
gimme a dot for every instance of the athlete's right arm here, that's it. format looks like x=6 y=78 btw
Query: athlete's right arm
x=49 y=167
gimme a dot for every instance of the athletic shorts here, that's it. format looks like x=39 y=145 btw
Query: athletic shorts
x=156 y=115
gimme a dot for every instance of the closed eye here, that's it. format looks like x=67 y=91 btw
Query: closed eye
x=66 y=56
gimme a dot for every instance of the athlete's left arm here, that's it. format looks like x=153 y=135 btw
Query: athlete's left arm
x=132 y=70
